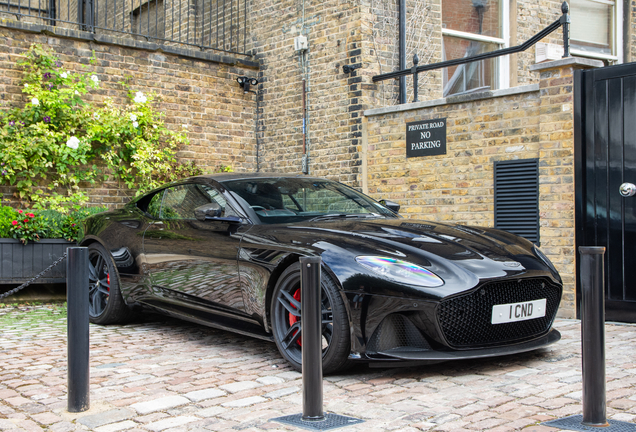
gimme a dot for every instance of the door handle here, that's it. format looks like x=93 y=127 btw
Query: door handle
x=628 y=189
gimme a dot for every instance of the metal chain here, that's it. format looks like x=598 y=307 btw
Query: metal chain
x=39 y=275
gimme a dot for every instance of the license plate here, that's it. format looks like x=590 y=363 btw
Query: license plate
x=512 y=312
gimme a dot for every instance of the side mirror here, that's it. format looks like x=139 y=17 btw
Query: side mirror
x=208 y=211
x=393 y=206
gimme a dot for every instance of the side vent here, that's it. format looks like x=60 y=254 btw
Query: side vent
x=517 y=197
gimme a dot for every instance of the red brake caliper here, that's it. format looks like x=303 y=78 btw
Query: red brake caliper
x=108 y=281
x=294 y=319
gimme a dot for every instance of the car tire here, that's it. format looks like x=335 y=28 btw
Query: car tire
x=105 y=303
x=286 y=322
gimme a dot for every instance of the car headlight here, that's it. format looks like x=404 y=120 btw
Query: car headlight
x=544 y=258
x=400 y=271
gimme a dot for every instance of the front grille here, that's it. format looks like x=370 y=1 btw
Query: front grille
x=465 y=320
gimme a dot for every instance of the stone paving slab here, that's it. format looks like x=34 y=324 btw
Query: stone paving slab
x=165 y=375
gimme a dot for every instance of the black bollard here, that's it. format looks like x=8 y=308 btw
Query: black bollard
x=313 y=417
x=77 y=329
x=593 y=335
x=311 y=337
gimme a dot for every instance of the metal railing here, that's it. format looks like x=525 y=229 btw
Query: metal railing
x=207 y=24
x=564 y=21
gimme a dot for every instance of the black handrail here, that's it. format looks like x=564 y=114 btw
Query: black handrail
x=564 y=21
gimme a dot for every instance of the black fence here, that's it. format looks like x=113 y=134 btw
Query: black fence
x=207 y=24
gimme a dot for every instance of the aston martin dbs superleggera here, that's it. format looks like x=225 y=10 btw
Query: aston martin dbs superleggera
x=223 y=251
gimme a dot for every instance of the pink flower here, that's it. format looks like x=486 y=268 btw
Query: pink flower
x=14 y=223
x=20 y=211
x=26 y=220
x=30 y=215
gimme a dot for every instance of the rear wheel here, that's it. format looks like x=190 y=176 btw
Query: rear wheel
x=287 y=322
x=105 y=303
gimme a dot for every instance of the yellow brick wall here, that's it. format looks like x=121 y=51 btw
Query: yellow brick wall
x=334 y=99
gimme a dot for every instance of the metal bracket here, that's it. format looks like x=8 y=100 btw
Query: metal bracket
x=350 y=68
x=305 y=164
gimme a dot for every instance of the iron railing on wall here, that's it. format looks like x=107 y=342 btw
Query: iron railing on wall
x=563 y=21
x=207 y=24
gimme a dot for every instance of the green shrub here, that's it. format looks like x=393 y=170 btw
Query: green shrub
x=32 y=226
x=57 y=140
x=7 y=215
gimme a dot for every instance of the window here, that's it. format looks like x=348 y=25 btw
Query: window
x=179 y=202
x=471 y=27
x=596 y=29
x=285 y=200
x=148 y=19
x=217 y=197
x=154 y=207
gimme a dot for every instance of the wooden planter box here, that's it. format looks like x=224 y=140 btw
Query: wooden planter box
x=19 y=263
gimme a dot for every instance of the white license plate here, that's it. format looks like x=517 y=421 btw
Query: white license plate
x=511 y=312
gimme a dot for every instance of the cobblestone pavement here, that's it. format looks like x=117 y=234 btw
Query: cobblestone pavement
x=167 y=375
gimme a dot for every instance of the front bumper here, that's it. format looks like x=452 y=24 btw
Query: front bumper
x=455 y=327
x=422 y=354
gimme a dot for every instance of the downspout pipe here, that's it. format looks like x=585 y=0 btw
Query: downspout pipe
x=305 y=162
x=258 y=134
x=402 y=48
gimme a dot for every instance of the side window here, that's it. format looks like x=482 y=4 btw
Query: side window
x=179 y=202
x=217 y=197
x=154 y=207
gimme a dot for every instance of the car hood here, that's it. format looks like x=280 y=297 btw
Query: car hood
x=462 y=256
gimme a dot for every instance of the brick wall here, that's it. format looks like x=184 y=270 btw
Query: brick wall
x=532 y=16
x=353 y=33
x=199 y=93
x=334 y=99
x=534 y=122
x=456 y=186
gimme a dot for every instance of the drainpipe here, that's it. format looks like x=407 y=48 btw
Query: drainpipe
x=402 y=48
x=258 y=135
x=305 y=161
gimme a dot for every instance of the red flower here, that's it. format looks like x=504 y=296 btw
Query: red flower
x=19 y=226
x=20 y=211
x=30 y=215
x=25 y=221
x=14 y=223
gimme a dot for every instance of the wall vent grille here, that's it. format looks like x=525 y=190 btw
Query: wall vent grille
x=517 y=197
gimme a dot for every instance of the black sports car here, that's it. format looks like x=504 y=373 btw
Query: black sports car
x=223 y=250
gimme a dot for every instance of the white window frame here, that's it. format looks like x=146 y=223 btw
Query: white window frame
x=503 y=62
x=617 y=56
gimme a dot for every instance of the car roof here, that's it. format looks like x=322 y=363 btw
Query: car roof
x=223 y=177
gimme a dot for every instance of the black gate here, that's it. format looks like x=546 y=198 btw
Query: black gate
x=605 y=160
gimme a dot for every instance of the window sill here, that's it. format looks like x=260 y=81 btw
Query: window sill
x=593 y=55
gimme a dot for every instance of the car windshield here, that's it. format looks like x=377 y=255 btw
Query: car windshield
x=285 y=200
